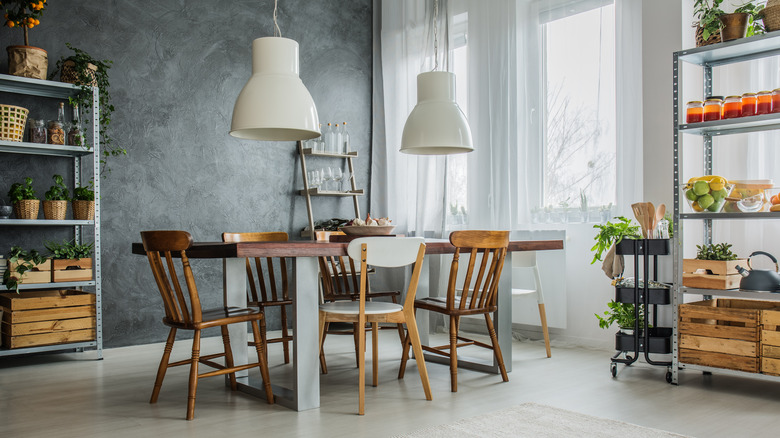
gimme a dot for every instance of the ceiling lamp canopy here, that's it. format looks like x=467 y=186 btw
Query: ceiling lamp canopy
x=436 y=126
x=274 y=105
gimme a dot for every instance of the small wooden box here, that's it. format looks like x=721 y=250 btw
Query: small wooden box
x=48 y=317
x=770 y=342
x=71 y=270
x=39 y=274
x=722 y=333
x=712 y=274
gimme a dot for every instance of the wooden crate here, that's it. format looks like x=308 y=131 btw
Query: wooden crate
x=48 y=317
x=722 y=333
x=770 y=342
x=71 y=270
x=712 y=274
x=39 y=274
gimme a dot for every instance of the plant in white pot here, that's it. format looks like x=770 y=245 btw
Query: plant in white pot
x=26 y=61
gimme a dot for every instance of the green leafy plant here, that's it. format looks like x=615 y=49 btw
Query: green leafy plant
x=57 y=192
x=715 y=251
x=620 y=313
x=86 y=75
x=20 y=192
x=755 y=25
x=707 y=16
x=612 y=233
x=69 y=250
x=84 y=193
x=27 y=260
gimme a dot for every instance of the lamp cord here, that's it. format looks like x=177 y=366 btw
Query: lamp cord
x=277 y=31
x=435 y=35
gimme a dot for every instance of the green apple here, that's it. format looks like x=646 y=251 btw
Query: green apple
x=701 y=188
x=720 y=194
x=705 y=201
x=691 y=195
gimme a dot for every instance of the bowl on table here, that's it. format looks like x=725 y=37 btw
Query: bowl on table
x=367 y=230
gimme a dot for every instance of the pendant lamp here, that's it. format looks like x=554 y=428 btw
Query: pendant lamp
x=436 y=125
x=274 y=105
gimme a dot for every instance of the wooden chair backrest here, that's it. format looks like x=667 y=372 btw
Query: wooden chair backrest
x=340 y=278
x=388 y=252
x=487 y=251
x=161 y=248
x=264 y=278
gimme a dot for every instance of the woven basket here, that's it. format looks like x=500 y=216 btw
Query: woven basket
x=83 y=210
x=771 y=17
x=27 y=209
x=55 y=210
x=12 y=120
x=70 y=75
x=700 y=41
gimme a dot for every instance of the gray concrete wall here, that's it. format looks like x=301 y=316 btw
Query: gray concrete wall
x=178 y=67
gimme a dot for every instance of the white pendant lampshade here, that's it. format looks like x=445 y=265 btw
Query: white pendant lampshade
x=436 y=126
x=274 y=104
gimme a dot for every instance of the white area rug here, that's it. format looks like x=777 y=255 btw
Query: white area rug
x=534 y=420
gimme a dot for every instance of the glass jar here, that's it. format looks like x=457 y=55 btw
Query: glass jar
x=56 y=133
x=748 y=104
x=37 y=131
x=694 y=111
x=732 y=107
x=776 y=100
x=712 y=109
x=764 y=102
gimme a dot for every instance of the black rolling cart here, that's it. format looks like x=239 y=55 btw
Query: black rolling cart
x=647 y=338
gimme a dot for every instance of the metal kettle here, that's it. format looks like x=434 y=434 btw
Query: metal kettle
x=760 y=279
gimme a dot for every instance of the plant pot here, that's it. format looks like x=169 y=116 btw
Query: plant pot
x=700 y=41
x=83 y=210
x=27 y=61
x=734 y=26
x=770 y=15
x=27 y=208
x=70 y=74
x=55 y=210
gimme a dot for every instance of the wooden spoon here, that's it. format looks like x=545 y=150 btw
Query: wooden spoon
x=650 y=214
x=639 y=213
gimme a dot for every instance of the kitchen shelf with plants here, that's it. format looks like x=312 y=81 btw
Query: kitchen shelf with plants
x=697 y=343
x=308 y=191
x=83 y=325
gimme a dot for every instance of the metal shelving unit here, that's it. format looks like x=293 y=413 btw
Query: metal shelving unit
x=61 y=90
x=741 y=50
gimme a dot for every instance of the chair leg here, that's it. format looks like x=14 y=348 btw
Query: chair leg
x=163 y=365
x=401 y=333
x=228 y=356
x=264 y=337
x=496 y=347
x=361 y=335
x=375 y=353
x=261 y=355
x=414 y=338
x=285 y=334
x=543 y=317
x=454 y=353
x=193 y=386
x=405 y=353
x=358 y=352
x=323 y=331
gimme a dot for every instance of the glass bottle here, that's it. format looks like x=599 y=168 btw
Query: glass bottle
x=61 y=113
x=748 y=104
x=776 y=100
x=337 y=139
x=712 y=109
x=330 y=140
x=764 y=102
x=732 y=107
x=56 y=132
x=694 y=111
x=74 y=133
x=345 y=138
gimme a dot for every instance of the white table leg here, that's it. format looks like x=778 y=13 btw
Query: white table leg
x=234 y=290
x=306 y=366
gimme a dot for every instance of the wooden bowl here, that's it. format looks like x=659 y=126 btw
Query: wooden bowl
x=367 y=230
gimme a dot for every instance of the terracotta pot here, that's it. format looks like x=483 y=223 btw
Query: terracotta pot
x=27 y=208
x=734 y=26
x=27 y=61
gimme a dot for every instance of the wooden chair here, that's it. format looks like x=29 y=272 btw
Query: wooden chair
x=380 y=252
x=526 y=260
x=266 y=281
x=477 y=296
x=183 y=311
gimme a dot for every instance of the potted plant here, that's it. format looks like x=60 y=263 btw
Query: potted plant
x=26 y=204
x=86 y=71
x=623 y=314
x=611 y=233
x=83 y=203
x=71 y=261
x=754 y=14
x=715 y=267
x=26 y=60
x=55 y=203
x=707 y=22
x=26 y=266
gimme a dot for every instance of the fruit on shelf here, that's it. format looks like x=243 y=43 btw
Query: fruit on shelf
x=707 y=193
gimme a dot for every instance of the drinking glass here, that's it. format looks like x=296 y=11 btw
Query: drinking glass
x=327 y=175
x=338 y=175
x=315 y=178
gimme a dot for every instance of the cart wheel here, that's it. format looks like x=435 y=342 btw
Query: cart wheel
x=613 y=369
x=668 y=377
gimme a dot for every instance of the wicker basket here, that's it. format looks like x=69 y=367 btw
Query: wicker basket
x=55 y=210
x=27 y=208
x=83 y=210
x=70 y=75
x=12 y=120
x=700 y=41
x=771 y=16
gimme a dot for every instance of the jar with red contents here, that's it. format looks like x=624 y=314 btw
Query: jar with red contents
x=732 y=107
x=712 y=109
x=776 y=100
x=764 y=102
x=749 y=104
x=694 y=111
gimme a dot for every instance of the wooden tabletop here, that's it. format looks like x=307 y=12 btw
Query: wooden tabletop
x=308 y=248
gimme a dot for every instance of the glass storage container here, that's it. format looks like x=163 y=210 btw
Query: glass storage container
x=732 y=107
x=748 y=104
x=764 y=102
x=694 y=111
x=712 y=109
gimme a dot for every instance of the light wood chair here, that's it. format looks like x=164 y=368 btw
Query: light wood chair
x=477 y=296
x=264 y=278
x=526 y=260
x=183 y=311
x=380 y=252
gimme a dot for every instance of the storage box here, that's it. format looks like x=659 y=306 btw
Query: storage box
x=41 y=273
x=712 y=274
x=722 y=333
x=71 y=270
x=49 y=317
x=770 y=342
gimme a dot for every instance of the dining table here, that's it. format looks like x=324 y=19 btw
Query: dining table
x=304 y=392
